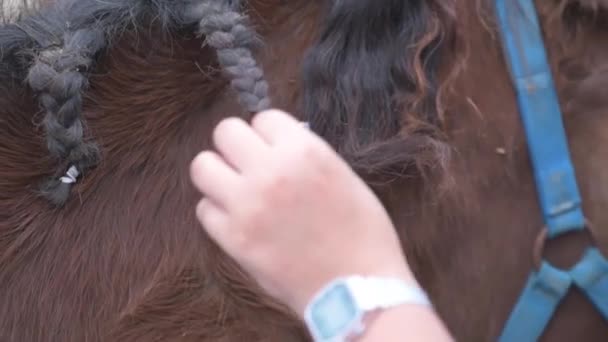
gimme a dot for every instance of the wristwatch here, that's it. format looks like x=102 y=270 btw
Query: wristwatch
x=337 y=312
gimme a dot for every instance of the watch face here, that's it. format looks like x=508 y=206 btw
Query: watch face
x=333 y=312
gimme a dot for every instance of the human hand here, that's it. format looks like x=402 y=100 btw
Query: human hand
x=290 y=211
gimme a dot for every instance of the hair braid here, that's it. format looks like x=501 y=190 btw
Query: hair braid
x=58 y=76
x=228 y=32
x=58 y=72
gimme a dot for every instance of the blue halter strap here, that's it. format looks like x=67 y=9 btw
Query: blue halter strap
x=554 y=175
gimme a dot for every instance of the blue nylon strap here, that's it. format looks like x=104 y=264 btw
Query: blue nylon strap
x=538 y=302
x=547 y=287
x=553 y=172
x=591 y=276
x=541 y=116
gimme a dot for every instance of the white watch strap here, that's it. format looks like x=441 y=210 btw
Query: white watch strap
x=338 y=311
x=373 y=293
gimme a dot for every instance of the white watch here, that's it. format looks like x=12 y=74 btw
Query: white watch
x=336 y=313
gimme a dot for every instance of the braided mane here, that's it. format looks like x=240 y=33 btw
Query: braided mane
x=64 y=40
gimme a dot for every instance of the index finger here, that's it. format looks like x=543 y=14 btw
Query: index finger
x=275 y=125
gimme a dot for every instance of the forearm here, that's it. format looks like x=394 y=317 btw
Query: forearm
x=406 y=323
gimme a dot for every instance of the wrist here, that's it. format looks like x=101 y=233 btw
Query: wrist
x=300 y=302
x=405 y=323
x=344 y=307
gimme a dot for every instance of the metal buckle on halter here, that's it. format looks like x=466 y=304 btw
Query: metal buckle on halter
x=548 y=285
x=542 y=238
x=589 y=274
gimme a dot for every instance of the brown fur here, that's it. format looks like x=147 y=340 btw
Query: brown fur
x=125 y=260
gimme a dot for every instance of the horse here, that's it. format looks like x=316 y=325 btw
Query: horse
x=103 y=104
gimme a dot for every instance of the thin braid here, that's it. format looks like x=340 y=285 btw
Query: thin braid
x=58 y=76
x=228 y=32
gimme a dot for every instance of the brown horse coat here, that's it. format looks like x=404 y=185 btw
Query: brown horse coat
x=125 y=260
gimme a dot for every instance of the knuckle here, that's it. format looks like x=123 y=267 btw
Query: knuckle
x=261 y=117
x=316 y=158
x=269 y=114
x=201 y=211
x=273 y=186
x=251 y=222
x=243 y=242
x=309 y=151
x=201 y=163
x=225 y=126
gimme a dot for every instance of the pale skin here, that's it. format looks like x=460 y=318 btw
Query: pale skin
x=278 y=199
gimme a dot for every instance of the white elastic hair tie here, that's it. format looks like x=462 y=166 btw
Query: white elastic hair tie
x=70 y=176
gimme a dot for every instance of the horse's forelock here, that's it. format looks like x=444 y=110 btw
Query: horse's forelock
x=371 y=86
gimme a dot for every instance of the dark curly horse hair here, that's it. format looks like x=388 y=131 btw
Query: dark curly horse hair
x=67 y=40
x=119 y=95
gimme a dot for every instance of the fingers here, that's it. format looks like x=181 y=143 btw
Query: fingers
x=226 y=177
x=275 y=126
x=214 y=178
x=239 y=144
x=213 y=219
